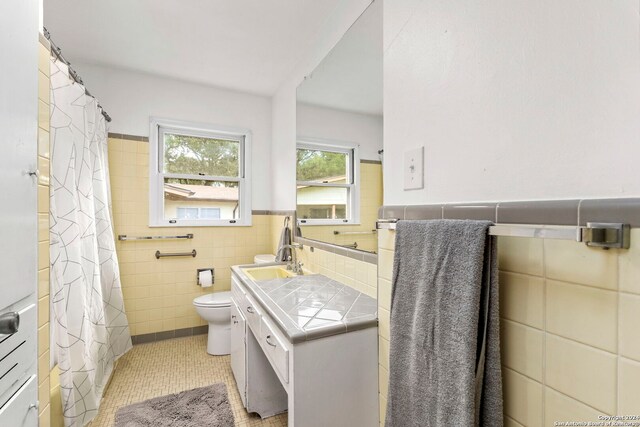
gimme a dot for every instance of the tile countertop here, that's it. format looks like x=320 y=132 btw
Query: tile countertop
x=311 y=306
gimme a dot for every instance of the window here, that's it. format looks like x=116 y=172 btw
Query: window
x=327 y=184
x=198 y=213
x=198 y=175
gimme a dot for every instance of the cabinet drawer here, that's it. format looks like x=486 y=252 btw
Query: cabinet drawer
x=273 y=344
x=252 y=313
x=18 y=351
x=21 y=409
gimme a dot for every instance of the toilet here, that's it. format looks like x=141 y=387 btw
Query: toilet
x=264 y=258
x=215 y=308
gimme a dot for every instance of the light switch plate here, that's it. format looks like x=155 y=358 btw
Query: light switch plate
x=413 y=169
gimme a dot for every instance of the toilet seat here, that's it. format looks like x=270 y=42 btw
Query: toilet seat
x=215 y=299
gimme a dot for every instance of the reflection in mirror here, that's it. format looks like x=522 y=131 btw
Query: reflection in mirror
x=339 y=139
x=327 y=188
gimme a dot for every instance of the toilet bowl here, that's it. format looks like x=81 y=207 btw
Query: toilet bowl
x=215 y=308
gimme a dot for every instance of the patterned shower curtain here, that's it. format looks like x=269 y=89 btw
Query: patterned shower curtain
x=88 y=321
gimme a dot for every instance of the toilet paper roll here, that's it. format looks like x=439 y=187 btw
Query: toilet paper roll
x=205 y=279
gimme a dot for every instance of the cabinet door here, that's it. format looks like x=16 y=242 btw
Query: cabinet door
x=18 y=208
x=19 y=142
x=22 y=410
x=238 y=352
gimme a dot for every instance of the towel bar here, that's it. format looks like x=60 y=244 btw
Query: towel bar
x=124 y=237
x=353 y=245
x=193 y=253
x=336 y=232
x=596 y=234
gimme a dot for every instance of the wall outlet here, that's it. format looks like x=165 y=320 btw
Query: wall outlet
x=413 y=169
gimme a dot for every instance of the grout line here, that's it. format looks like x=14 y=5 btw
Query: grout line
x=618 y=318
x=522 y=274
x=592 y=347
x=514 y=420
x=627 y=293
x=583 y=285
x=544 y=336
x=521 y=324
x=579 y=401
x=521 y=374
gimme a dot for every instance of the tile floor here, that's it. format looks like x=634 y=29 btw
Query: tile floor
x=171 y=366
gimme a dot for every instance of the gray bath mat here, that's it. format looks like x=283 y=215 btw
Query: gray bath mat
x=206 y=406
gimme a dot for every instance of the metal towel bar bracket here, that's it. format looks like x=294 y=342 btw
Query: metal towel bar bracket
x=595 y=234
x=159 y=255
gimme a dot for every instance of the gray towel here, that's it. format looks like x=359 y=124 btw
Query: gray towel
x=445 y=338
x=285 y=239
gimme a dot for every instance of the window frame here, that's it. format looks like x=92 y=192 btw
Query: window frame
x=353 y=188
x=158 y=127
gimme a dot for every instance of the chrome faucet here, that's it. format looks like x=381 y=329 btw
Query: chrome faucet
x=292 y=264
x=297 y=268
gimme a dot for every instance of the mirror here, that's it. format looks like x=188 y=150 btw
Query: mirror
x=339 y=140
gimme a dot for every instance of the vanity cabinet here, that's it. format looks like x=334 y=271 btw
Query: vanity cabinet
x=264 y=394
x=324 y=377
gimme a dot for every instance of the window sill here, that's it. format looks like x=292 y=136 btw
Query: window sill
x=322 y=222
x=239 y=223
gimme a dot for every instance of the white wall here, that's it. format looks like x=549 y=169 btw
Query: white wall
x=131 y=98
x=513 y=100
x=342 y=126
x=284 y=102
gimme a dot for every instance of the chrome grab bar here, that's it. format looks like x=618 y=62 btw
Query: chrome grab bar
x=159 y=254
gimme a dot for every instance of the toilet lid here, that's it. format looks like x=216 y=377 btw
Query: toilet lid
x=215 y=299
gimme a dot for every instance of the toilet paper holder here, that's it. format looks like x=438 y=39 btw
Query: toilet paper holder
x=211 y=269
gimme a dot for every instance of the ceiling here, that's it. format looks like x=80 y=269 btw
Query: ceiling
x=350 y=77
x=245 y=45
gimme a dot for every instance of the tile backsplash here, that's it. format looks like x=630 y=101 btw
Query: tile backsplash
x=158 y=294
x=360 y=275
x=569 y=329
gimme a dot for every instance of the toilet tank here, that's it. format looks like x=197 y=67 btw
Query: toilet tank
x=264 y=258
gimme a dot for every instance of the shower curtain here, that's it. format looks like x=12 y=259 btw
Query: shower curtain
x=88 y=322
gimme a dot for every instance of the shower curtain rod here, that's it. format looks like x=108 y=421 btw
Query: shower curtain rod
x=72 y=73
